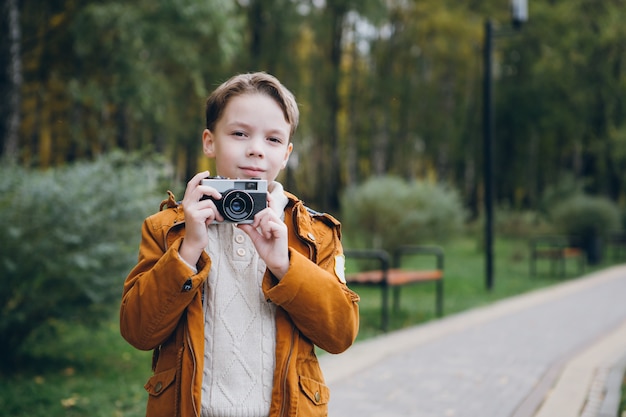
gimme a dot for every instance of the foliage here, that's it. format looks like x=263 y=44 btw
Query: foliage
x=564 y=188
x=586 y=216
x=384 y=87
x=387 y=212
x=69 y=236
x=109 y=74
x=520 y=223
x=559 y=114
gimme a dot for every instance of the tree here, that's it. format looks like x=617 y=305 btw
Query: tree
x=10 y=78
x=383 y=87
x=558 y=113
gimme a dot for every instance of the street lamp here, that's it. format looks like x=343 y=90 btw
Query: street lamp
x=519 y=15
x=519 y=12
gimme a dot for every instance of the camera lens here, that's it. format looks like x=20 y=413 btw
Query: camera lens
x=237 y=205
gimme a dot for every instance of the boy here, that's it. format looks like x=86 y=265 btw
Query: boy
x=233 y=312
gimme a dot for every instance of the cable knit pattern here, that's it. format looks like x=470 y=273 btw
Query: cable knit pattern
x=240 y=332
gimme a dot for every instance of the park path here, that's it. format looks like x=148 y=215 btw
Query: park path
x=548 y=353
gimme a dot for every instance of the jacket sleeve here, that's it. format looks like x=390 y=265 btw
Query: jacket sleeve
x=158 y=289
x=319 y=303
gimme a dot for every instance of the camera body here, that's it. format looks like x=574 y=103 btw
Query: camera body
x=241 y=198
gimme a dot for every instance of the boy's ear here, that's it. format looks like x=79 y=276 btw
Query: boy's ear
x=289 y=149
x=208 y=143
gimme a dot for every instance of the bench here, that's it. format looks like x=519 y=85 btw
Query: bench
x=556 y=249
x=393 y=275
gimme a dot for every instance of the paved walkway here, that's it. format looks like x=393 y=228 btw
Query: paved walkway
x=557 y=352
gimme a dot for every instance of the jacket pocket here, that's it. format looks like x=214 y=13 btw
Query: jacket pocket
x=317 y=393
x=159 y=382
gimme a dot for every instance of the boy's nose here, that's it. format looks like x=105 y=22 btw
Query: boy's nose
x=255 y=147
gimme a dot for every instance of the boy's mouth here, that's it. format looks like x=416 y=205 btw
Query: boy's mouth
x=252 y=171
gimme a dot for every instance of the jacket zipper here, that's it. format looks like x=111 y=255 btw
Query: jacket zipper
x=193 y=375
x=286 y=371
x=191 y=351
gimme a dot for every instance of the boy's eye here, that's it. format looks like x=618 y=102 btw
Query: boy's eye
x=274 y=139
x=240 y=134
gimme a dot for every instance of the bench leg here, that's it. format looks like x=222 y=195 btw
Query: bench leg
x=439 y=302
x=385 y=307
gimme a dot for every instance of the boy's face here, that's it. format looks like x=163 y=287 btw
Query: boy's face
x=250 y=140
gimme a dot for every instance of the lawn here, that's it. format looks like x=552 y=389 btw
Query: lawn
x=94 y=372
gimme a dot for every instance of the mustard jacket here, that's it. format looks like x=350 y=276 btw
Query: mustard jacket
x=161 y=310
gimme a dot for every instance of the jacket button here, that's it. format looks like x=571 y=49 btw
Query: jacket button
x=159 y=386
x=317 y=396
x=188 y=285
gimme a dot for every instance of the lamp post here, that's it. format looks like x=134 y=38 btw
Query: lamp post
x=519 y=15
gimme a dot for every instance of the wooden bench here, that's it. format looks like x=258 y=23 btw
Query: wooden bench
x=556 y=249
x=393 y=275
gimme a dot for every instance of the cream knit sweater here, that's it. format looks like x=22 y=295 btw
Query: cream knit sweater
x=240 y=332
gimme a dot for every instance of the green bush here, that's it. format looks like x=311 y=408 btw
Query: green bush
x=519 y=223
x=586 y=216
x=388 y=212
x=587 y=219
x=564 y=188
x=69 y=237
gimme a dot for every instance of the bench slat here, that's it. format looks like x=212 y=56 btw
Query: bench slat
x=398 y=277
x=557 y=252
x=395 y=276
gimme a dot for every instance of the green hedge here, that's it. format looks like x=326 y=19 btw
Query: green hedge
x=587 y=220
x=387 y=212
x=68 y=238
x=586 y=216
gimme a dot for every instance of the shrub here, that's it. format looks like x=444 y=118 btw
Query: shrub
x=586 y=216
x=388 y=212
x=588 y=219
x=69 y=237
x=519 y=223
x=566 y=186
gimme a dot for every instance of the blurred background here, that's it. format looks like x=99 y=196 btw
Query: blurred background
x=384 y=87
x=101 y=111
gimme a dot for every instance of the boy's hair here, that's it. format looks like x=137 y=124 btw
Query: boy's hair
x=258 y=82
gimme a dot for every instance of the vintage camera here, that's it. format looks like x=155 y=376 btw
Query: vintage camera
x=241 y=199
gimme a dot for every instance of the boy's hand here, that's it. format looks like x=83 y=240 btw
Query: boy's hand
x=199 y=214
x=269 y=235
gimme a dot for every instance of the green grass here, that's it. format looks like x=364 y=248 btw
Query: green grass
x=94 y=372
x=81 y=372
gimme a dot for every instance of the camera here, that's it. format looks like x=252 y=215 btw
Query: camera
x=241 y=199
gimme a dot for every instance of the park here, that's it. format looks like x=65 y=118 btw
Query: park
x=474 y=153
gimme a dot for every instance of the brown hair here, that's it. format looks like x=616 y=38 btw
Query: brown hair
x=258 y=82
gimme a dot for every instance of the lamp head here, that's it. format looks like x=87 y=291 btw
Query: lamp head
x=519 y=12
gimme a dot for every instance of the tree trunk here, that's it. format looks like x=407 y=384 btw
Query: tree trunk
x=10 y=78
x=329 y=188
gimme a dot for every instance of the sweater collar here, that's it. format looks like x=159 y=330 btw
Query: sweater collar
x=279 y=199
